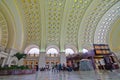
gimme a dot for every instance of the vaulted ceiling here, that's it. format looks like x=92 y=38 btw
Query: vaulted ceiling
x=63 y=23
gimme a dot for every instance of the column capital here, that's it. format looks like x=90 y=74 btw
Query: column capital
x=62 y=52
x=42 y=52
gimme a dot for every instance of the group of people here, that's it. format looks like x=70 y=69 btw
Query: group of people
x=56 y=68
x=61 y=67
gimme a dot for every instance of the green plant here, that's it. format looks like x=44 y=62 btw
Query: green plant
x=20 y=55
x=14 y=67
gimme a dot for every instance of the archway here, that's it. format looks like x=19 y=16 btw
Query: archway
x=32 y=58
x=34 y=52
x=52 y=57
x=69 y=51
x=52 y=52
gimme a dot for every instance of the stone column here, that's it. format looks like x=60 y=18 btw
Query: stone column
x=62 y=58
x=42 y=61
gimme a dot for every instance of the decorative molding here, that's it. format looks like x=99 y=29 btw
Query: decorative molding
x=104 y=25
x=91 y=19
x=3 y=31
x=32 y=26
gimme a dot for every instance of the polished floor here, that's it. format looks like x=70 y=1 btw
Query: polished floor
x=74 y=75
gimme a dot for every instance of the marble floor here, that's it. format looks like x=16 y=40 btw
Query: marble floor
x=74 y=75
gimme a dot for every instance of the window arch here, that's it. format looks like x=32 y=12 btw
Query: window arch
x=34 y=52
x=52 y=52
x=84 y=50
x=69 y=51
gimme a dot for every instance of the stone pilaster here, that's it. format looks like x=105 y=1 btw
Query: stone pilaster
x=62 y=58
x=42 y=61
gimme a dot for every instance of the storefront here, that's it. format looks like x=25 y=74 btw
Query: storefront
x=104 y=58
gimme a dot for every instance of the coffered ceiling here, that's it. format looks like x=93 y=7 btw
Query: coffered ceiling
x=63 y=23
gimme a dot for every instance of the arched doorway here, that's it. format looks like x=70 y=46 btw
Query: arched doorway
x=72 y=58
x=52 y=57
x=32 y=58
x=69 y=55
x=34 y=52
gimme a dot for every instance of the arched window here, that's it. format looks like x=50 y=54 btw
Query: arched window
x=84 y=50
x=52 y=52
x=69 y=51
x=34 y=52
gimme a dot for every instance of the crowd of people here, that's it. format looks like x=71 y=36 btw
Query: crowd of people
x=61 y=67
x=57 y=68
